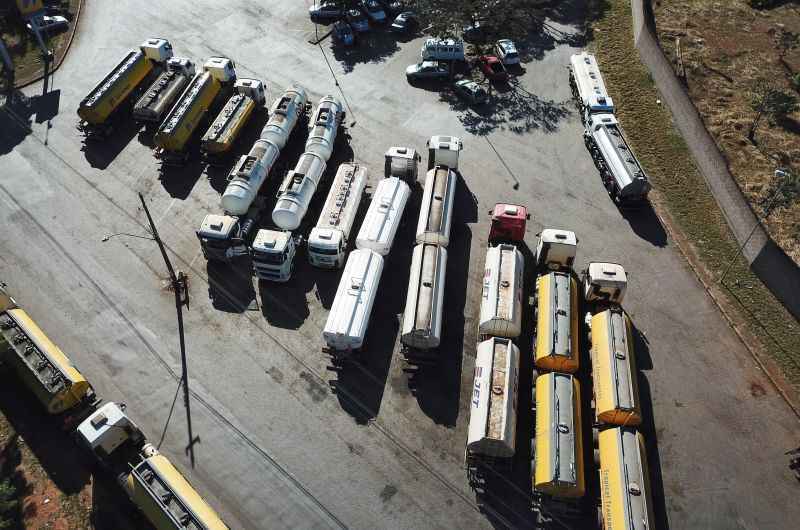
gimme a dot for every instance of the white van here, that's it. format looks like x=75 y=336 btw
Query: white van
x=442 y=50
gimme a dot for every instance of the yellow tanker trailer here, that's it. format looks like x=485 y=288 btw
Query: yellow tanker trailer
x=558 y=445
x=556 y=346
x=98 y=108
x=624 y=481
x=41 y=365
x=219 y=138
x=616 y=392
x=197 y=100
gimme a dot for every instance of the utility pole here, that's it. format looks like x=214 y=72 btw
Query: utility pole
x=179 y=287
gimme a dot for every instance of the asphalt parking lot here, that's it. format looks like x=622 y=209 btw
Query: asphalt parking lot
x=284 y=441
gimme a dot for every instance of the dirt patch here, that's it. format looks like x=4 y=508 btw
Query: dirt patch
x=23 y=47
x=726 y=47
x=757 y=390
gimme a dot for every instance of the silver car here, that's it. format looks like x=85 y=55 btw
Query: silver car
x=471 y=91
x=507 y=51
x=427 y=70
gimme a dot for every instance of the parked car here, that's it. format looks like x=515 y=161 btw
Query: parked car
x=492 y=68
x=507 y=51
x=394 y=7
x=470 y=91
x=357 y=20
x=325 y=11
x=374 y=11
x=427 y=70
x=343 y=33
x=442 y=50
x=54 y=23
x=405 y=22
x=473 y=33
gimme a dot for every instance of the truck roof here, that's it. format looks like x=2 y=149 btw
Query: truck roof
x=622 y=163
x=271 y=240
x=348 y=319
x=343 y=200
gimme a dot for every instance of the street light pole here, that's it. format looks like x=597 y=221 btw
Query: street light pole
x=179 y=287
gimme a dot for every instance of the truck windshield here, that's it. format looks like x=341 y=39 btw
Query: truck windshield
x=322 y=250
x=269 y=257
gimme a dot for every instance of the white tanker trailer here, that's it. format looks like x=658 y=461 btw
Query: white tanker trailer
x=299 y=187
x=224 y=237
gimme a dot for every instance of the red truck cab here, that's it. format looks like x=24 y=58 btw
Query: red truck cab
x=508 y=223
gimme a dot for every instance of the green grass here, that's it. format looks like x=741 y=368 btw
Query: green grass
x=684 y=192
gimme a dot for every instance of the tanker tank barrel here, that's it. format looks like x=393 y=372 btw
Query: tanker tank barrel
x=252 y=169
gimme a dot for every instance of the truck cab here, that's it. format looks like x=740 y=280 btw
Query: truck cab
x=112 y=437
x=223 y=237
x=443 y=151
x=326 y=248
x=401 y=162
x=556 y=249
x=508 y=223
x=272 y=253
x=604 y=282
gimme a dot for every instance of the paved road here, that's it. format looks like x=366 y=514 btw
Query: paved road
x=278 y=448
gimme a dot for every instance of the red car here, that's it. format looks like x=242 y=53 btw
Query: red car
x=493 y=68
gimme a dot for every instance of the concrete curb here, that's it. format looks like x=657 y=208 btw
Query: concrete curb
x=726 y=192
x=65 y=50
x=767 y=260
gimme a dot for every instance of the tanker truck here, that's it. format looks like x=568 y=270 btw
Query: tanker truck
x=220 y=137
x=158 y=99
x=587 y=85
x=224 y=237
x=98 y=110
x=327 y=243
x=273 y=250
x=622 y=174
x=200 y=97
x=43 y=368
x=154 y=485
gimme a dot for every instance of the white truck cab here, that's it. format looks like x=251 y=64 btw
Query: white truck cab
x=107 y=429
x=556 y=249
x=401 y=162
x=327 y=243
x=604 y=282
x=272 y=254
x=443 y=151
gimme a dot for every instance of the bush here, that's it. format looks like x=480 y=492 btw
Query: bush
x=796 y=81
x=764 y=4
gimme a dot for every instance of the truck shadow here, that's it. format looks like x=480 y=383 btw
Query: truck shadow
x=359 y=386
x=650 y=433
x=646 y=224
x=230 y=285
x=178 y=181
x=438 y=388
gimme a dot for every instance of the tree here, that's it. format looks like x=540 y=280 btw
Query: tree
x=8 y=503
x=767 y=99
x=514 y=19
